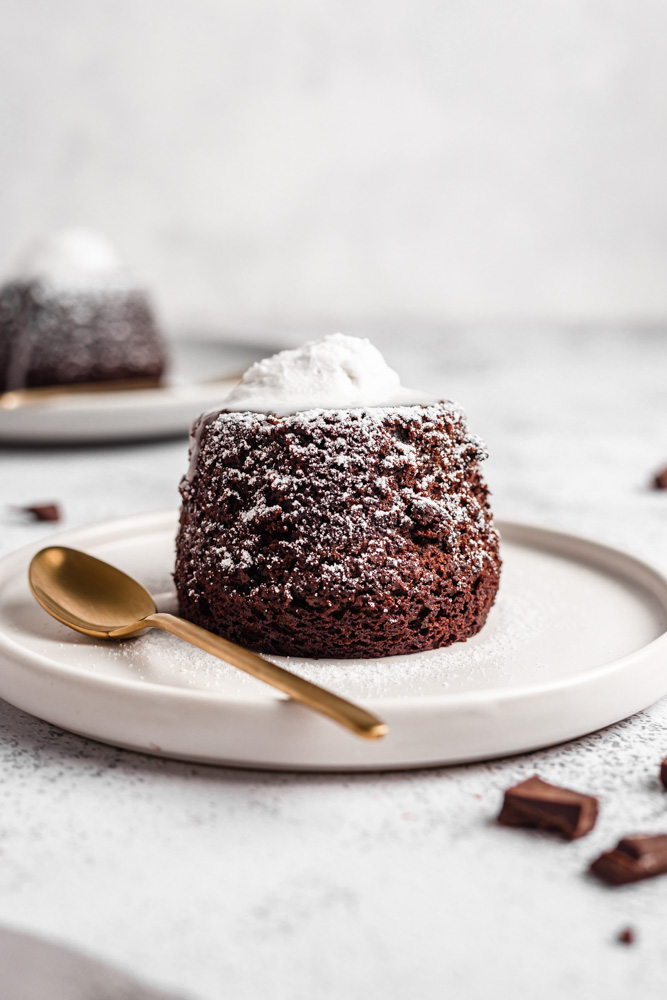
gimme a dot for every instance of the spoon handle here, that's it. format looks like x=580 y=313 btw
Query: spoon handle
x=346 y=713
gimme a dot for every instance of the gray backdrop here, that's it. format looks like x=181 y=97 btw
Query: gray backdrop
x=302 y=164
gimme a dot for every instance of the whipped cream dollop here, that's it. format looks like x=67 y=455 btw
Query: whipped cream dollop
x=336 y=372
x=73 y=259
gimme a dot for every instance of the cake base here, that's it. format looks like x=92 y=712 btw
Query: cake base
x=50 y=337
x=337 y=533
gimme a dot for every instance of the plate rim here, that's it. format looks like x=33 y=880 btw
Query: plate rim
x=156 y=520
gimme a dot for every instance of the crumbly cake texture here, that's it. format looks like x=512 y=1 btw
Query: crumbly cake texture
x=54 y=336
x=337 y=533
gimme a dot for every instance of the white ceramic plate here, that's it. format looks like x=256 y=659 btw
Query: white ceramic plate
x=201 y=374
x=577 y=640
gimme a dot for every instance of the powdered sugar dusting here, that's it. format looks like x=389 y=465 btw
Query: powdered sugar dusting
x=489 y=658
x=430 y=498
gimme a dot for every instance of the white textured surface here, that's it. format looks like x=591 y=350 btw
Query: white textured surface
x=243 y=885
x=295 y=163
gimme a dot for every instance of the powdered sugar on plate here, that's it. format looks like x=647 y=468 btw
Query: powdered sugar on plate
x=158 y=657
x=554 y=616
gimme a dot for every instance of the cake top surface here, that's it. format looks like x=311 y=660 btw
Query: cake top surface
x=336 y=372
x=73 y=259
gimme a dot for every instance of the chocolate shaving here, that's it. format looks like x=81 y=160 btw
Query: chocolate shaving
x=634 y=858
x=626 y=936
x=660 y=480
x=663 y=773
x=536 y=803
x=43 y=511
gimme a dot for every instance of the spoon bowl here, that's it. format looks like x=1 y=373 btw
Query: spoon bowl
x=86 y=593
x=101 y=601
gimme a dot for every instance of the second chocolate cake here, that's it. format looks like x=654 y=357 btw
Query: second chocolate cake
x=73 y=314
x=361 y=530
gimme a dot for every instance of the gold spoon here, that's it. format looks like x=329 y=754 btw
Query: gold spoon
x=99 y=600
x=13 y=399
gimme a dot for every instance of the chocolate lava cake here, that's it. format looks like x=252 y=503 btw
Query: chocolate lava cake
x=76 y=321
x=360 y=532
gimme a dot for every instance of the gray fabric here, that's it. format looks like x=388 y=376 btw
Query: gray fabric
x=32 y=969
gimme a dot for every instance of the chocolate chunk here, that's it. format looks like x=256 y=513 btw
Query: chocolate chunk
x=536 y=803
x=660 y=480
x=626 y=936
x=640 y=856
x=44 y=511
x=663 y=773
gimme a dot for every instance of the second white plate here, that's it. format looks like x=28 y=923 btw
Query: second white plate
x=577 y=640
x=201 y=374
